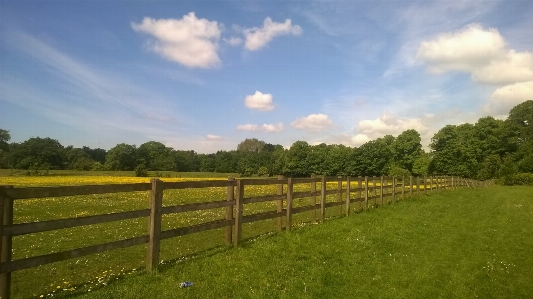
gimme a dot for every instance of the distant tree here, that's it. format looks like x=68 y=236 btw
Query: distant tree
x=406 y=149
x=296 y=160
x=251 y=145
x=121 y=157
x=38 y=153
x=78 y=159
x=96 y=154
x=421 y=165
x=155 y=156
x=4 y=148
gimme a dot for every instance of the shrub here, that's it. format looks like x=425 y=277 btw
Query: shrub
x=519 y=179
x=262 y=171
x=140 y=171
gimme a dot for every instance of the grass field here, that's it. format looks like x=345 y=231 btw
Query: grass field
x=98 y=269
x=465 y=243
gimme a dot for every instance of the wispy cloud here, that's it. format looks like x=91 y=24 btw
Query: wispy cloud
x=84 y=96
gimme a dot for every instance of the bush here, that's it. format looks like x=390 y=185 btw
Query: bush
x=141 y=171
x=262 y=171
x=519 y=179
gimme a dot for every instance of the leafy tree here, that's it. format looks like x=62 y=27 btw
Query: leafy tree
x=38 y=153
x=421 y=165
x=296 y=160
x=251 y=145
x=4 y=148
x=78 y=159
x=155 y=156
x=406 y=149
x=96 y=154
x=122 y=157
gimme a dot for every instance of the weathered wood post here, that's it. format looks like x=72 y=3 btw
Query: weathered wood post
x=374 y=184
x=348 y=195
x=366 y=192
x=381 y=190
x=323 y=199
x=393 y=189
x=453 y=185
x=6 y=215
x=425 y=185
x=239 y=205
x=288 y=218
x=418 y=185
x=154 y=230
x=229 y=212
x=359 y=193
x=339 y=193
x=403 y=187
x=410 y=186
x=313 y=199
x=438 y=189
x=279 y=205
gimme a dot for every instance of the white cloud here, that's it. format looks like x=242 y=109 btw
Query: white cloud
x=259 y=101
x=505 y=98
x=213 y=137
x=481 y=52
x=313 y=122
x=189 y=41
x=268 y=128
x=234 y=41
x=257 y=38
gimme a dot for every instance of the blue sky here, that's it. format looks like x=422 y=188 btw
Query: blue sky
x=205 y=75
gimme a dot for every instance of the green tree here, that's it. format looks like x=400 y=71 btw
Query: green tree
x=38 y=153
x=4 y=148
x=155 y=156
x=406 y=149
x=122 y=157
x=296 y=160
x=78 y=159
x=251 y=145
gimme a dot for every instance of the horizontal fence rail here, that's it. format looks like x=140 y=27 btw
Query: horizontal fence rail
x=365 y=191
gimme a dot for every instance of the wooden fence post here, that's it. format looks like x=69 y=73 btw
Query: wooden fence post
x=366 y=192
x=453 y=186
x=359 y=193
x=381 y=190
x=339 y=194
x=279 y=205
x=6 y=214
x=313 y=199
x=288 y=218
x=323 y=200
x=425 y=185
x=411 y=186
x=418 y=185
x=154 y=243
x=403 y=187
x=438 y=189
x=393 y=189
x=239 y=205
x=375 y=190
x=348 y=196
x=229 y=212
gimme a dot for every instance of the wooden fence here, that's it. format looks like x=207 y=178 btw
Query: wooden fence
x=365 y=192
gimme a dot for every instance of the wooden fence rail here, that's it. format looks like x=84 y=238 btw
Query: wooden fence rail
x=390 y=189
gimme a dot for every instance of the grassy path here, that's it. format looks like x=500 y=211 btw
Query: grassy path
x=460 y=244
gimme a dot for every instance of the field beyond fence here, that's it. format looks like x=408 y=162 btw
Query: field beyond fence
x=285 y=196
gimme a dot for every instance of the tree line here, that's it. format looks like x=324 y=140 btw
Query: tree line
x=488 y=149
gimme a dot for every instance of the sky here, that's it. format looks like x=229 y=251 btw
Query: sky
x=205 y=75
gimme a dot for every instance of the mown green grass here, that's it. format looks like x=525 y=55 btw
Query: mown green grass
x=470 y=243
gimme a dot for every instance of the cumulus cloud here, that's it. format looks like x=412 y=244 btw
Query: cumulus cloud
x=256 y=38
x=481 y=52
x=389 y=124
x=506 y=97
x=259 y=101
x=190 y=41
x=313 y=122
x=268 y=128
x=213 y=137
